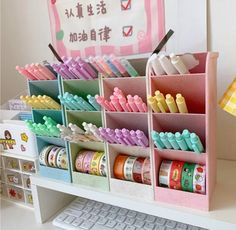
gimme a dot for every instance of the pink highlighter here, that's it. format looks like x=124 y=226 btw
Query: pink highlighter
x=46 y=71
x=25 y=73
x=101 y=101
x=132 y=104
x=118 y=65
x=116 y=104
x=139 y=103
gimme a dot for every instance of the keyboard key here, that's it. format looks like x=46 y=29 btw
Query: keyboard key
x=120 y=226
x=139 y=223
x=106 y=207
x=69 y=219
x=87 y=209
x=77 y=222
x=120 y=219
x=91 y=203
x=98 y=205
x=160 y=227
x=100 y=227
x=94 y=218
x=95 y=211
x=160 y=221
x=193 y=228
x=73 y=212
x=102 y=220
x=149 y=226
x=111 y=216
x=114 y=209
x=170 y=224
x=77 y=207
x=87 y=225
x=129 y=221
x=103 y=213
x=131 y=213
x=123 y=211
x=141 y=216
x=181 y=226
x=150 y=219
x=82 y=200
x=62 y=217
x=110 y=223
x=130 y=228
x=85 y=216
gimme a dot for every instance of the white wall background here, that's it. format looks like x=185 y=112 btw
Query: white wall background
x=25 y=35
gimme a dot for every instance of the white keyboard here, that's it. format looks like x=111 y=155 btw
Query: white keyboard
x=84 y=214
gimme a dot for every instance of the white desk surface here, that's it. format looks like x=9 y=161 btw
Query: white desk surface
x=222 y=216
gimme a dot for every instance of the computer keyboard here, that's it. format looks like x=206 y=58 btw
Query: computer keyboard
x=84 y=214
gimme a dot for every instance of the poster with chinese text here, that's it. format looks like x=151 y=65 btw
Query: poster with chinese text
x=95 y=27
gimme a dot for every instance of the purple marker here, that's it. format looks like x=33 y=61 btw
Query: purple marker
x=89 y=69
x=74 y=72
x=120 y=136
x=127 y=136
x=105 y=135
x=70 y=61
x=142 y=137
x=112 y=135
x=121 y=140
x=128 y=141
x=83 y=73
x=78 y=71
x=64 y=74
x=134 y=137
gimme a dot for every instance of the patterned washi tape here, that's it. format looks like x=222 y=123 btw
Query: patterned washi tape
x=128 y=168
x=62 y=161
x=94 y=167
x=102 y=165
x=199 y=179
x=187 y=177
x=79 y=160
x=176 y=175
x=87 y=161
x=52 y=156
x=164 y=173
x=118 y=168
x=146 y=176
x=137 y=169
x=43 y=156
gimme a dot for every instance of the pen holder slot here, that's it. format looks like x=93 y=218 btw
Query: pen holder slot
x=56 y=115
x=192 y=88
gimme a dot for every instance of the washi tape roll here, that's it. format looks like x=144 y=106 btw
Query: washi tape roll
x=128 y=168
x=94 y=167
x=137 y=169
x=43 y=156
x=187 y=177
x=87 y=161
x=62 y=161
x=199 y=179
x=118 y=168
x=102 y=165
x=52 y=156
x=176 y=175
x=146 y=176
x=164 y=173
x=79 y=161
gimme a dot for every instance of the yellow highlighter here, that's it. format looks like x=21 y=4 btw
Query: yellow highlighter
x=153 y=103
x=171 y=104
x=181 y=103
x=161 y=102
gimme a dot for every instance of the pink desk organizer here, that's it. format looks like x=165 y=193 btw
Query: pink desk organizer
x=199 y=90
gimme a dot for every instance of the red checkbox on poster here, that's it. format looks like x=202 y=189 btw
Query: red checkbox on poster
x=125 y=4
x=127 y=31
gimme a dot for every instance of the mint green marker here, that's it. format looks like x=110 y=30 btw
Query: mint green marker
x=165 y=141
x=129 y=68
x=195 y=149
x=181 y=142
x=157 y=140
x=173 y=142
x=186 y=136
x=49 y=120
x=54 y=131
x=196 y=141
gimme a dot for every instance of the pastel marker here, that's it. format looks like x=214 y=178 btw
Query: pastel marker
x=25 y=73
x=181 y=142
x=171 y=104
x=101 y=101
x=105 y=135
x=63 y=101
x=104 y=66
x=128 y=107
x=49 y=120
x=142 y=137
x=118 y=65
x=129 y=68
x=173 y=142
x=153 y=103
x=164 y=140
x=196 y=141
x=63 y=73
x=45 y=71
x=195 y=148
x=161 y=99
x=123 y=103
x=97 y=66
x=49 y=67
x=132 y=103
x=93 y=102
x=75 y=129
x=186 y=136
x=119 y=92
x=64 y=130
x=81 y=73
x=70 y=61
x=116 y=104
x=134 y=137
x=121 y=138
x=112 y=66
x=80 y=104
x=31 y=71
x=180 y=101
x=127 y=136
x=96 y=133
x=157 y=140
x=88 y=68
x=138 y=102
x=111 y=133
x=54 y=131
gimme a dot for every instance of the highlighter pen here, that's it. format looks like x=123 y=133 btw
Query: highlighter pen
x=161 y=99
x=164 y=140
x=157 y=140
x=106 y=68
x=138 y=102
x=118 y=92
x=153 y=103
x=181 y=103
x=118 y=65
x=181 y=142
x=116 y=104
x=171 y=139
x=97 y=66
x=129 y=68
x=186 y=136
x=25 y=73
x=123 y=102
x=49 y=67
x=101 y=101
x=132 y=103
x=93 y=102
x=196 y=141
x=46 y=71
x=171 y=104
x=112 y=66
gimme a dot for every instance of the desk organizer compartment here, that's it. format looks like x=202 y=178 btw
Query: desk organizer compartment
x=124 y=187
x=26 y=181
x=13 y=178
x=15 y=193
x=28 y=197
x=50 y=172
x=11 y=163
x=27 y=166
x=93 y=181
